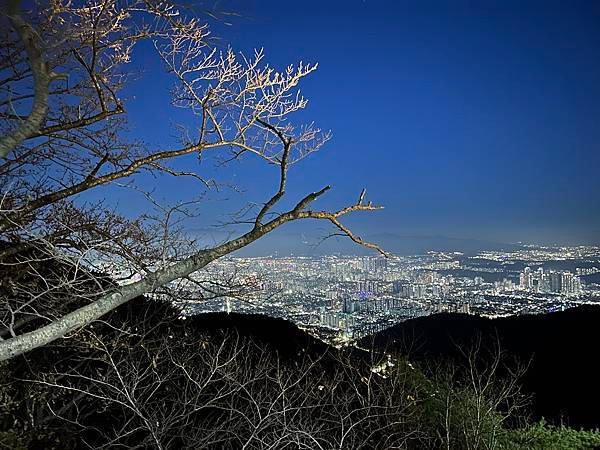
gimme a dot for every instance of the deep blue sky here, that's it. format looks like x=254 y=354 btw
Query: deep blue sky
x=465 y=119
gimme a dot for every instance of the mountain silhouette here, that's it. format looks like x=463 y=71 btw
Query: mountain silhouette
x=305 y=244
x=561 y=348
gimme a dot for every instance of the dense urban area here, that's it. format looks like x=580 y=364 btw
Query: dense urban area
x=341 y=298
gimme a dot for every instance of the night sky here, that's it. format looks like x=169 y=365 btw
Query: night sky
x=465 y=119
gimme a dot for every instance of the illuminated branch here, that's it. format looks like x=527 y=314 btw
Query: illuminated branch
x=77 y=140
x=41 y=82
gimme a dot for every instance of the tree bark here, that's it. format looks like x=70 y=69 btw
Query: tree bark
x=83 y=316
x=41 y=83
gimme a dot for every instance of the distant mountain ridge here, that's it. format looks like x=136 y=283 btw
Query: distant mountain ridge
x=406 y=245
x=308 y=245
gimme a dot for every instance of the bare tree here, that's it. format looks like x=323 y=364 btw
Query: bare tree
x=64 y=126
x=476 y=396
x=143 y=378
x=205 y=389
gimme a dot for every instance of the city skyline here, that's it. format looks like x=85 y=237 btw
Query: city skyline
x=341 y=298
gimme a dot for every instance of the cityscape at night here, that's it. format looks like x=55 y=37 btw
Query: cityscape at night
x=342 y=298
x=263 y=225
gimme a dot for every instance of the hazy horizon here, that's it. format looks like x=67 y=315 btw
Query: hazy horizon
x=301 y=242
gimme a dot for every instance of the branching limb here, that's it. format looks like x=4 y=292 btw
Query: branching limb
x=41 y=82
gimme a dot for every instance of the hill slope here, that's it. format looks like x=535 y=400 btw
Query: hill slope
x=563 y=375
